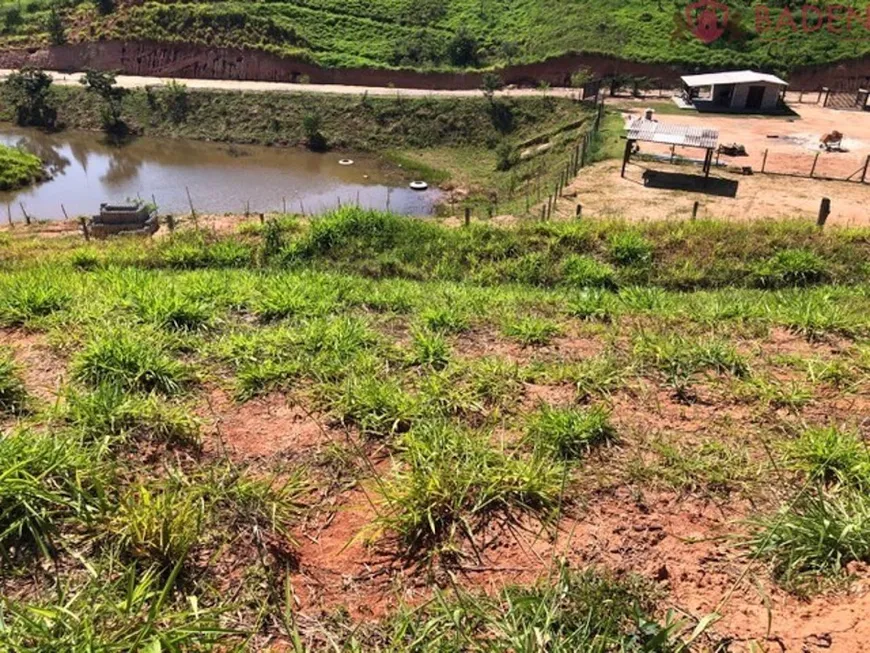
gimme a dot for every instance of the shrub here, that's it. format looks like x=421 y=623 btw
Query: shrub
x=19 y=169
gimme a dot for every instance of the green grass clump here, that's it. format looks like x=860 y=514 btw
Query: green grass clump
x=570 y=610
x=831 y=455
x=111 y=611
x=585 y=271
x=452 y=480
x=532 y=330
x=19 y=168
x=592 y=304
x=131 y=360
x=46 y=480
x=158 y=525
x=791 y=267
x=819 y=534
x=569 y=433
x=173 y=310
x=629 y=248
x=378 y=407
x=26 y=300
x=446 y=319
x=13 y=394
x=110 y=411
x=429 y=348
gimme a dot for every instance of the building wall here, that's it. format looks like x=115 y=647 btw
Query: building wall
x=741 y=94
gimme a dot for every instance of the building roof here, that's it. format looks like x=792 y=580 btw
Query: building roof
x=736 y=77
x=653 y=131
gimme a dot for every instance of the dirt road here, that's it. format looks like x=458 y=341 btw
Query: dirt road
x=130 y=81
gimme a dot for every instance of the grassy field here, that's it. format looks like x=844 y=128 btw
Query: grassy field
x=368 y=433
x=19 y=169
x=438 y=34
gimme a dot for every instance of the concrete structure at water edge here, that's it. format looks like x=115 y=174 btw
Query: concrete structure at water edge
x=739 y=91
x=123 y=220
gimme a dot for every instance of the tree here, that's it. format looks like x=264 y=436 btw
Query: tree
x=506 y=156
x=490 y=84
x=462 y=49
x=104 y=85
x=12 y=19
x=311 y=124
x=29 y=91
x=55 y=28
x=105 y=7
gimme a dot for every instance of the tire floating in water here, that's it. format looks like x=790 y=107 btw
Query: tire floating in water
x=418 y=185
x=346 y=162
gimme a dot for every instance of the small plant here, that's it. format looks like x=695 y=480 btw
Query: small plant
x=13 y=395
x=429 y=348
x=532 y=331
x=592 y=304
x=445 y=319
x=791 y=267
x=173 y=310
x=131 y=361
x=378 y=408
x=311 y=125
x=177 y=101
x=27 y=300
x=831 y=456
x=158 y=525
x=85 y=259
x=110 y=411
x=506 y=156
x=820 y=533
x=569 y=432
x=46 y=479
x=453 y=480
x=585 y=271
x=629 y=248
x=55 y=27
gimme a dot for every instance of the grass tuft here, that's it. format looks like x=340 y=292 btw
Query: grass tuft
x=569 y=433
x=13 y=394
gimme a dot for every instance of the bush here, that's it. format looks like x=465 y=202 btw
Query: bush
x=19 y=169
x=29 y=92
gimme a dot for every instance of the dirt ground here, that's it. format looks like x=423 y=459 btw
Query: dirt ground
x=791 y=145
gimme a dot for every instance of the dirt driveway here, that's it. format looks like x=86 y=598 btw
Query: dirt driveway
x=601 y=191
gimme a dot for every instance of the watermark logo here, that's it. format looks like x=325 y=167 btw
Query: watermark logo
x=707 y=20
x=710 y=20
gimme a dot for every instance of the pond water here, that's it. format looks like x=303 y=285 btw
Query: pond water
x=87 y=170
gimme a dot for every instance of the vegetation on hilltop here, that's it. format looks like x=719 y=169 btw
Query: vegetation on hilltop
x=439 y=34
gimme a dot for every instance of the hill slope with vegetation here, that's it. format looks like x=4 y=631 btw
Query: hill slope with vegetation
x=441 y=34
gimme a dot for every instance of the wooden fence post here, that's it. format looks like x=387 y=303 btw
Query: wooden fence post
x=764 y=161
x=170 y=222
x=467 y=216
x=579 y=213
x=26 y=217
x=824 y=212
x=815 y=162
x=866 y=166
x=9 y=214
x=65 y=216
x=695 y=210
x=192 y=210
x=84 y=222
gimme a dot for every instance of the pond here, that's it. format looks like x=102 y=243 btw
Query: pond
x=87 y=170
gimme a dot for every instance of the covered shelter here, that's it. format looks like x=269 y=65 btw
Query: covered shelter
x=743 y=90
x=652 y=131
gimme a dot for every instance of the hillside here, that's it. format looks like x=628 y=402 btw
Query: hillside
x=438 y=34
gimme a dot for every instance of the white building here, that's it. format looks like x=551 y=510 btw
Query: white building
x=743 y=90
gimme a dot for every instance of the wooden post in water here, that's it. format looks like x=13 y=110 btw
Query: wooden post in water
x=26 y=217
x=284 y=204
x=65 y=216
x=9 y=214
